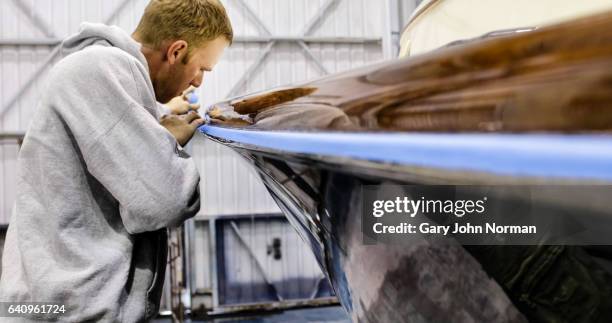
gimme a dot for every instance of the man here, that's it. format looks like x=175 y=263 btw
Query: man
x=101 y=177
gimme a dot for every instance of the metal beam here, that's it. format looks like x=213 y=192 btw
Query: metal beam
x=36 y=20
x=12 y=135
x=30 y=42
x=262 y=57
x=387 y=44
x=243 y=309
x=315 y=60
x=301 y=40
x=252 y=69
x=238 y=39
x=214 y=276
x=46 y=62
x=319 y=16
x=308 y=39
x=317 y=287
x=254 y=18
x=30 y=81
x=246 y=246
x=190 y=230
x=116 y=12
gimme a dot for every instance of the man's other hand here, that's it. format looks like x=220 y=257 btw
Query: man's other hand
x=181 y=105
x=182 y=127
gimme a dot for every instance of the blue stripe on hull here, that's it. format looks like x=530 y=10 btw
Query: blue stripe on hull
x=539 y=155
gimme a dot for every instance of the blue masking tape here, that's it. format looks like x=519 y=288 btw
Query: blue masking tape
x=557 y=156
x=192 y=98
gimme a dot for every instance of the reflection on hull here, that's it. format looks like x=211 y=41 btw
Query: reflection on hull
x=427 y=279
x=524 y=82
x=430 y=281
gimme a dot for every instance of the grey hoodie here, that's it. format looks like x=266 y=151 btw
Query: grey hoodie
x=99 y=182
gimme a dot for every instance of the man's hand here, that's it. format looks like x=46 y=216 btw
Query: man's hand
x=182 y=127
x=181 y=105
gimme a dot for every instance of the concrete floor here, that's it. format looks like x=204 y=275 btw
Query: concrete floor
x=334 y=314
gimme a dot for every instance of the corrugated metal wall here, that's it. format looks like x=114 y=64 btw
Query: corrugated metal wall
x=259 y=263
x=229 y=185
x=403 y=10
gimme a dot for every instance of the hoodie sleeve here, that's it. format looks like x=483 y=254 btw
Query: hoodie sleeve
x=121 y=141
x=163 y=109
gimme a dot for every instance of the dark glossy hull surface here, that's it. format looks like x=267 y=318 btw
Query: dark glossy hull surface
x=425 y=279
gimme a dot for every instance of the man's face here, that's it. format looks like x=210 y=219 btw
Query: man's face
x=182 y=72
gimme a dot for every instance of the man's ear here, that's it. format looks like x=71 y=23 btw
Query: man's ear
x=177 y=51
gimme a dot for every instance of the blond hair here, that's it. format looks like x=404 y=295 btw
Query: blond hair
x=194 y=21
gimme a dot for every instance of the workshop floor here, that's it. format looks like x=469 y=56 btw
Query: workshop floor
x=333 y=314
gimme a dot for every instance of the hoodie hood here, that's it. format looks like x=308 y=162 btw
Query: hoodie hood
x=99 y=34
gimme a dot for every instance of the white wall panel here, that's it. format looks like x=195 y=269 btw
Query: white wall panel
x=229 y=185
x=224 y=173
x=8 y=172
x=249 y=260
x=202 y=257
